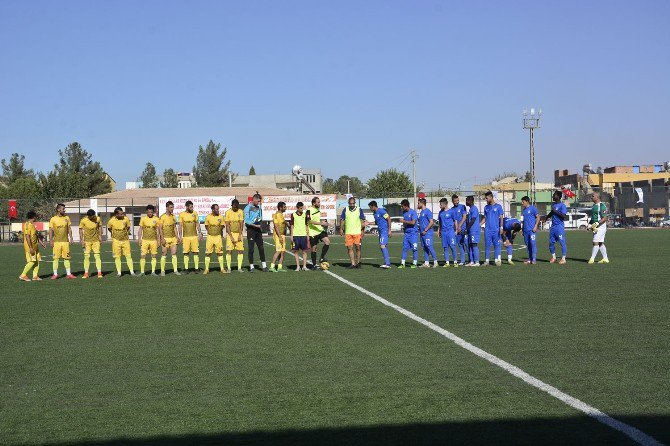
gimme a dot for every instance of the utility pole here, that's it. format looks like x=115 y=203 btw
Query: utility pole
x=531 y=123
x=230 y=180
x=414 y=157
x=348 y=187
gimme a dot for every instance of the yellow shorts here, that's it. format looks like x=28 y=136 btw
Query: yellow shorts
x=214 y=243
x=62 y=250
x=120 y=248
x=170 y=242
x=36 y=258
x=190 y=244
x=280 y=245
x=150 y=247
x=92 y=246
x=237 y=246
x=352 y=239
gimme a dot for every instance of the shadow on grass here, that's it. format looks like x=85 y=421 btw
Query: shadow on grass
x=571 y=430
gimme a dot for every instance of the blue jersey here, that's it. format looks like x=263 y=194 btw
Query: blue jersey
x=473 y=217
x=556 y=221
x=447 y=220
x=492 y=213
x=530 y=216
x=410 y=215
x=459 y=212
x=509 y=222
x=380 y=220
x=425 y=216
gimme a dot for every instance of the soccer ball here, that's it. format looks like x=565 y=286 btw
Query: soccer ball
x=325 y=266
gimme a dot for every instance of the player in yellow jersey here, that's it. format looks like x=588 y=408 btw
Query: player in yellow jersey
x=279 y=236
x=90 y=234
x=119 y=227
x=170 y=238
x=234 y=223
x=60 y=234
x=190 y=234
x=31 y=242
x=214 y=224
x=150 y=233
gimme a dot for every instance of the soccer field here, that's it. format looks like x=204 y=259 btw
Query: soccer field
x=304 y=358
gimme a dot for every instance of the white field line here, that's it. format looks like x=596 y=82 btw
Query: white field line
x=630 y=431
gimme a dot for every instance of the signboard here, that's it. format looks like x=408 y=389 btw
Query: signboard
x=202 y=205
x=328 y=205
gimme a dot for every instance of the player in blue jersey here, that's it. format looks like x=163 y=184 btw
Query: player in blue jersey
x=473 y=230
x=557 y=230
x=460 y=213
x=410 y=240
x=493 y=228
x=426 y=224
x=531 y=221
x=446 y=230
x=383 y=222
x=510 y=228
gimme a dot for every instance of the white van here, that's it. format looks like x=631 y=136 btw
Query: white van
x=573 y=220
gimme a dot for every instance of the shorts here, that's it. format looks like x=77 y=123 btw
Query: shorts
x=36 y=258
x=120 y=248
x=170 y=242
x=556 y=235
x=410 y=241
x=234 y=246
x=492 y=238
x=149 y=246
x=92 y=247
x=61 y=250
x=314 y=240
x=299 y=243
x=214 y=244
x=352 y=239
x=448 y=239
x=190 y=244
x=599 y=235
x=280 y=243
x=427 y=240
x=383 y=238
x=473 y=238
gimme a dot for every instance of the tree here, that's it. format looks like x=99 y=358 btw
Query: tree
x=170 y=178
x=389 y=183
x=344 y=184
x=210 y=169
x=75 y=176
x=505 y=175
x=14 y=169
x=252 y=170
x=148 y=178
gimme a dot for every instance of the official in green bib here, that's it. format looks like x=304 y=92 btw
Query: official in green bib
x=299 y=239
x=351 y=226
x=598 y=224
x=317 y=231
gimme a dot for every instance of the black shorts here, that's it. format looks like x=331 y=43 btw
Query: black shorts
x=314 y=240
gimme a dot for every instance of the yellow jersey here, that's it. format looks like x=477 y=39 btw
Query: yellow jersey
x=280 y=222
x=91 y=229
x=30 y=237
x=119 y=228
x=60 y=226
x=214 y=224
x=236 y=219
x=189 y=222
x=168 y=224
x=149 y=227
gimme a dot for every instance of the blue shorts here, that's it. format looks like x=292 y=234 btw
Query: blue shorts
x=473 y=237
x=299 y=243
x=383 y=238
x=410 y=241
x=556 y=234
x=449 y=239
x=460 y=238
x=427 y=240
x=493 y=238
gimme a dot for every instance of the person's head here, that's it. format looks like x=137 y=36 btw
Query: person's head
x=455 y=199
x=215 y=209
x=256 y=199
x=91 y=215
x=595 y=197
x=169 y=207
x=525 y=201
x=422 y=203
x=118 y=213
x=189 y=206
x=60 y=209
x=516 y=227
x=299 y=207
x=404 y=204
x=470 y=200
x=235 y=204
x=557 y=195
x=444 y=203
x=352 y=202
x=316 y=202
x=31 y=215
x=150 y=210
x=281 y=207
x=373 y=206
x=489 y=197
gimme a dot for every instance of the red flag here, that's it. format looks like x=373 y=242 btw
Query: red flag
x=568 y=193
x=13 y=210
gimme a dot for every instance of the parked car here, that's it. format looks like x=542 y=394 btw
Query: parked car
x=665 y=222
x=575 y=220
x=396 y=226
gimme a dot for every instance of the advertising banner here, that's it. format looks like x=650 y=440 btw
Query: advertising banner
x=328 y=205
x=202 y=205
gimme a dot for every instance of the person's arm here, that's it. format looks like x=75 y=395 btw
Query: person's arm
x=274 y=229
x=439 y=226
x=558 y=214
x=388 y=222
x=537 y=221
x=69 y=231
x=501 y=224
x=343 y=221
x=605 y=216
x=51 y=235
x=81 y=235
x=140 y=233
x=26 y=240
x=364 y=223
x=409 y=222
x=228 y=231
x=461 y=223
x=178 y=231
x=197 y=227
x=430 y=225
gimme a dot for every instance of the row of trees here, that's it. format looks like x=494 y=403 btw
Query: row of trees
x=391 y=182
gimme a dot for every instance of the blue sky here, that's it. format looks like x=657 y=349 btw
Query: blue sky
x=348 y=86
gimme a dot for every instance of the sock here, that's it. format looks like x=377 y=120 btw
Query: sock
x=55 y=266
x=27 y=268
x=207 y=260
x=87 y=261
x=239 y=260
x=498 y=259
x=186 y=261
x=163 y=264
x=553 y=255
x=509 y=252
x=385 y=253
x=402 y=262
x=98 y=262
x=153 y=264
x=446 y=254
x=324 y=250
x=279 y=266
x=313 y=257
x=416 y=256
x=220 y=257
x=66 y=262
x=174 y=264
x=229 y=260
x=603 y=251
x=143 y=263
x=414 y=261
x=36 y=270
x=594 y=252
x=264 y=265
x=196 y=261
x=272 y=265
x=475 y=253
x=117 y=262
x=129 y=262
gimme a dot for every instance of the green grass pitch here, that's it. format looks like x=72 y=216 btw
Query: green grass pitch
x=301 y=358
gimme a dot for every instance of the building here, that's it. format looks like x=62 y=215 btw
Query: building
x=312 y=181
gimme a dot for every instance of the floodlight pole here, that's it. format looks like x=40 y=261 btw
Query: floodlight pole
x=414 y=157
x=531 y=123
